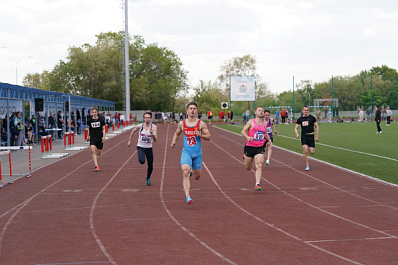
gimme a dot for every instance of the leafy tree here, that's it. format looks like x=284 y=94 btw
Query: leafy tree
x=304 y=89
x=392 y=97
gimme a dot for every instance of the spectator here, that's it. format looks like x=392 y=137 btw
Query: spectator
x=60 y=124
x=18 y=128
x=388 y=114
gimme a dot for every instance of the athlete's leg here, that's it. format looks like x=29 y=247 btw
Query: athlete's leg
x=141 y=155
x=197 y=166
x=269 y=152
x=312 y=150
x=248 y=162
x=94 y=154
x=149 y=157
x=186 y=170
x=259 y=161
x=305 y=154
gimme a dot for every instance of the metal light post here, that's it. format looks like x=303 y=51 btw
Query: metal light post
x=16 y=68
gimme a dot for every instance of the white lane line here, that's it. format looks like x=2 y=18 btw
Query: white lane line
x=92 y=228
x=175 y=219
x=321 y=161
x=273 y=226
x=350 y=239
x=22 y=205
x=344 y=149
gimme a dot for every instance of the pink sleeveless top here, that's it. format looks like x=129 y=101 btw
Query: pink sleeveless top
x=257 y=133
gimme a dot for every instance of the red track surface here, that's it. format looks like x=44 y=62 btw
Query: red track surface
x=68 y=214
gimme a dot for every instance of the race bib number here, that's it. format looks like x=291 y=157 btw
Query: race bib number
x=145 y=138
x=269 y=130
x=191 y=141
x=258 y=136
x=305 y=123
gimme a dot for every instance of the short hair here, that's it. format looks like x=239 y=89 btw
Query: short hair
x=305 y=106
x=147 y=112
x=94 y=108
x=259 y=107
x=267 y=110
x=192 y=103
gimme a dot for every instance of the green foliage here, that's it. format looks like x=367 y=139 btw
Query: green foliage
x=97 y=71
x=392 y=97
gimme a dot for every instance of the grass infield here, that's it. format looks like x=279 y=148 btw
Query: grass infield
x=354 y=146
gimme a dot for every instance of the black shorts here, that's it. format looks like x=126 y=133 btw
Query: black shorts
x=266 y=141
x=97 y=142
x=308 y=139
x=251 y=151
x=210 y=117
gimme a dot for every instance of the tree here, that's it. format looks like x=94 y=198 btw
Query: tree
x=392 y=97
x=97 y=71
x=304 y=89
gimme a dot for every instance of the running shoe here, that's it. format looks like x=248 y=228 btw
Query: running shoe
x=96 y=168
x=189 y=200
x=257 y=187
x=190 y=174
x=267 y=162
x=148 y=182
x=307 y=168
x=243 y=157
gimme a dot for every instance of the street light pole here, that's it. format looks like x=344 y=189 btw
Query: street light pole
x=16 y=68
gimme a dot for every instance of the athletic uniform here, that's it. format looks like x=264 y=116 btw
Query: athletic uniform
x=257 y=146
x=96 y=135
x=307 y=130
x=269 y=131
x=192 y=151
x=144 y=149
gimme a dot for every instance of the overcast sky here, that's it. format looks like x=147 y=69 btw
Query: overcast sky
x=311 y=40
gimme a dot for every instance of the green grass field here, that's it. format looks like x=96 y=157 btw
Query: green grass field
x=354 y=146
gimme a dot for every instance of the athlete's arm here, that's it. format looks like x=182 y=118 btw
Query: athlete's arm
x=176 y=134
x=154 y=133
x=273 y=127
x=132 y=133
x=204 y=131
x=317 y=131
x=295 y=130
x=246 y=129
x=103 y=134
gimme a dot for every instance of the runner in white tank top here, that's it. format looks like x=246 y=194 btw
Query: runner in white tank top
x=147 y=133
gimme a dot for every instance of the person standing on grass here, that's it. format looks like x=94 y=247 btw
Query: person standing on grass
x=307 y=122
x=378 y=120
x=191 y=156
x=255 y=132
x=270 y=128
x=147 y=133
x=96 y=135
x=318 y=116
x=388 y=114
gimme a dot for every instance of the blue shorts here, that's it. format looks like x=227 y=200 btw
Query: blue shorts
x=193 y=160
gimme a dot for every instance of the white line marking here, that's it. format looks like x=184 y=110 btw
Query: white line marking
x=273 y=226
x=92 y=228
x=174 y=219
x=20 y=206
x=344 y=149
x=352 y=239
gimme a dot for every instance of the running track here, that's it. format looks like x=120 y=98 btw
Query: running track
x=68 y=214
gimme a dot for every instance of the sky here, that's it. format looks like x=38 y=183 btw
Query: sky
x=310 y=40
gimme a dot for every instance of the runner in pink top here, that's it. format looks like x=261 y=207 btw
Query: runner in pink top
x=255 y=132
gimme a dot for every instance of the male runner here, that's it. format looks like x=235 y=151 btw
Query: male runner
x=147 y=133
x=270 y=127
x=255 y=132
x=307 y=122
x=96 y=135
x=191 y=156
